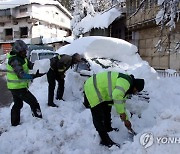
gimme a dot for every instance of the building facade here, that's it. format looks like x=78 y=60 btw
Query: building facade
x=32 y=22
x=159 y=47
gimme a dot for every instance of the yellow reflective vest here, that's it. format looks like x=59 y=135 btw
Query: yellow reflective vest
x=108 y=86
x=13 y=82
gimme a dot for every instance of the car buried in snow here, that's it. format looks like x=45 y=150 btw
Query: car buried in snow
x=104 y=54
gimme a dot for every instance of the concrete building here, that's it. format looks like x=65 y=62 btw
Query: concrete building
x=146 y=35
x=32 y=21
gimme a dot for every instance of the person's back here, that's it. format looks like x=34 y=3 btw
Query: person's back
x=105 y=89
x=58 y=66
x=105 y=82
x=60 y=63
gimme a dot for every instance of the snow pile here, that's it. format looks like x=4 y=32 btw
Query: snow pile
x=41 y=65
x=103 y=47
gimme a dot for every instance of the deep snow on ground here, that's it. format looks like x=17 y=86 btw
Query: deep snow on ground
x=69 y=129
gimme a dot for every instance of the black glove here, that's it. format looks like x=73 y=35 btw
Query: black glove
x=37 y=74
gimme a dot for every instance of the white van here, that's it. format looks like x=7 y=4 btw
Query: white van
x=41 y=54
x=38 y=52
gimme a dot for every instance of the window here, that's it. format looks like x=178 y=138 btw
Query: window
x=47 y=55
x=23 y=32
x=23 y=10
x=8 y=32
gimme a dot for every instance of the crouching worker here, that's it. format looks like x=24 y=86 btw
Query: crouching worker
x=105 y=89
x=18 y=79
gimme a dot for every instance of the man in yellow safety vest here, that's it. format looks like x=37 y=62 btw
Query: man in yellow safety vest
x=18 y=79
x=105 y=89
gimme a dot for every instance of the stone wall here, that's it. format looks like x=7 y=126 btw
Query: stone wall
x=167 y=56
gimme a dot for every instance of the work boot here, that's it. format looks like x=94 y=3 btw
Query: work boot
x=58 y=98
x=109 y=143
x=15 y=117
x=105 y=140
x=37 y=113
x=52 y=105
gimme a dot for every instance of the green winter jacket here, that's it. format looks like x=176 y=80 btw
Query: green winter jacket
x=13 y=82
x=108 y=86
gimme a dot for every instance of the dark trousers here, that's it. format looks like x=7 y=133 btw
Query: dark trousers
x=101 y=115
x=52 y=78
x=20 y=95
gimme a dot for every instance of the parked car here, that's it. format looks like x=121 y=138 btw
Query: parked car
x=106 y=54
x=38 y=52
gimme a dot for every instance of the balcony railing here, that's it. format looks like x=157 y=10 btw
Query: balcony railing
x=163 y=73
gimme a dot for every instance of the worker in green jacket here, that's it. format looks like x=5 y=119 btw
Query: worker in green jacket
x=105 y=89
x=18 y=79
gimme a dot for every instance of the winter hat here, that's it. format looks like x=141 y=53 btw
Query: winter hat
x=19 y=46
x=139 y=84
x=76 y=58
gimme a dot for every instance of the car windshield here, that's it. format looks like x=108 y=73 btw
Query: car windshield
x=46 y=55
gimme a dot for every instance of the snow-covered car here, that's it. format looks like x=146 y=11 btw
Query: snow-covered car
x=104 y=54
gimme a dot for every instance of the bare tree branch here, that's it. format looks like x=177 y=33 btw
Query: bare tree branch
x=140 y=6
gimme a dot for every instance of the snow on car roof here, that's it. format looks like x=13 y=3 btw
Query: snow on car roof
x=106 y=47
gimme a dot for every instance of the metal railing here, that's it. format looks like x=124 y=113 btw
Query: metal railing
x=163 y=73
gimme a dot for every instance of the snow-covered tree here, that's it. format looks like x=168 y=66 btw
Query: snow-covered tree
x=86 y=8
x=101 y=5
x=66 y=3
x=81 y=8
x=168 y=14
